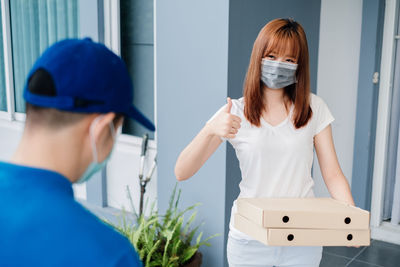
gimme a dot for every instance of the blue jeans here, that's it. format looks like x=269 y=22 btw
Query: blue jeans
x=252 y=253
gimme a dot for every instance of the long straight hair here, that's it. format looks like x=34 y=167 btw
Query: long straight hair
x=279 y=35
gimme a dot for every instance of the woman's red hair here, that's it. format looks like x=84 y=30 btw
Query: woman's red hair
x=279 y=35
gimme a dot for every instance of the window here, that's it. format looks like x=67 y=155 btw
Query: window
x=30 y=26
x=137 y=50
x=35 y=25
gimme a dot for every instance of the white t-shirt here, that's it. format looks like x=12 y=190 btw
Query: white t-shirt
x=276 y=161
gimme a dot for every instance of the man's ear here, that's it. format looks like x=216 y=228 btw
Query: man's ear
x=119 y=123
x=103 y=123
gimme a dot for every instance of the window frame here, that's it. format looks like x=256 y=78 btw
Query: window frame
x=112 y=39
x=8 y=62
x=380 y=229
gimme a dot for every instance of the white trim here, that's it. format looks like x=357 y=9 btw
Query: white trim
x=124 y=140
x=102 y=212
x=112 y=31
x=8 y=62
x=88 y=19
x=382 y=126
x=386 y=232
x=134 y=141
x=13 y=125
x=155 y=67
x=4 y=115
x=20 y=116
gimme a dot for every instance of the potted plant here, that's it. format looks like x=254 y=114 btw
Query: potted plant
x=165 y=240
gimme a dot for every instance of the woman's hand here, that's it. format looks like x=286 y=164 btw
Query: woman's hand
x=206 y=142
x=334 y=178
x=225 y=124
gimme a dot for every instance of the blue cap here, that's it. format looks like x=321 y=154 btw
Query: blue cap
x=87 y=77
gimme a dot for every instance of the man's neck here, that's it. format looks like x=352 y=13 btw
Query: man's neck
x=56 y=152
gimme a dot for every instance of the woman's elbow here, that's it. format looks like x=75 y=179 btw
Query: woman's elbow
x=179 y=174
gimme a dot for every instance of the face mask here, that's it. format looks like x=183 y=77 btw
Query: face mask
x=95 y=166
x=277 y=74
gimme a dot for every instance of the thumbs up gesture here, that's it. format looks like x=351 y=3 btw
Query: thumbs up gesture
x=225 y=124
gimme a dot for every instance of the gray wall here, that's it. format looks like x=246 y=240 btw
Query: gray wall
x=191 y=84
x=246 y=18
x=337 y=81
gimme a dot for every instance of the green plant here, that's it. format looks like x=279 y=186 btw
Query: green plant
x=164 y=240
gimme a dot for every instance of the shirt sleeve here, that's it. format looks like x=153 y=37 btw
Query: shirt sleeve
x=323 y=115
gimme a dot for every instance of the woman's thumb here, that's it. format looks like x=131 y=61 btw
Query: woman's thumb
x=228 y=105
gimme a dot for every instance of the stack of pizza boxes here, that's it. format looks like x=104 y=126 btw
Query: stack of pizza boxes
x=302 y=222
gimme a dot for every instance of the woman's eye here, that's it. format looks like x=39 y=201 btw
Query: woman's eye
x=290 y=60
x=270 y=56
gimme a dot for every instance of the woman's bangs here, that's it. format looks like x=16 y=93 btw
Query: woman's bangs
x=283 y=43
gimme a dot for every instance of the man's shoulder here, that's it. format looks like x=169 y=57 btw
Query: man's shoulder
x=100 y=239
x=90 y=225
x=68 y=232
x=79 y=225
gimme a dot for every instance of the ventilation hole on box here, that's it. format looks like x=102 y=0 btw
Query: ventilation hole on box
x=349 y=237
x=347 y=220
x=285 y=219
x=290 y=237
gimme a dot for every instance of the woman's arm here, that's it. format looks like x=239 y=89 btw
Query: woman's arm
x=196 y=153
x=334 y=179
x=206 y=142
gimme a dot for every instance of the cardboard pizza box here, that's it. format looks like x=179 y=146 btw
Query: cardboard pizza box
x=313 y=213
x=302 y=237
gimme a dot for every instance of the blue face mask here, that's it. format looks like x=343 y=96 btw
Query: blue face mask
x=277 y=74
x=95 y=166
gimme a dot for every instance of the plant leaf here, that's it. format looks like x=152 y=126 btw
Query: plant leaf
x=188 y=254
x=199 y=238
x=148 y=257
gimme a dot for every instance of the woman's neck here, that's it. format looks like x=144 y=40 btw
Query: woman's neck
x=275 y=97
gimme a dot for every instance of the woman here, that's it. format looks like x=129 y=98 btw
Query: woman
x=273 y=129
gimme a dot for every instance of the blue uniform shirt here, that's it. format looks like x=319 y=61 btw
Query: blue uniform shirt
x=42 y=225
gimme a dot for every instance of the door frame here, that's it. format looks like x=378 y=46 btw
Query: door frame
x=381 y=230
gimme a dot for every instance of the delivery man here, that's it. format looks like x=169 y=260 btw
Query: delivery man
x=76 y=94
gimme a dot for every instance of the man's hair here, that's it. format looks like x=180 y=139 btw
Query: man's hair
x=41 y=83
